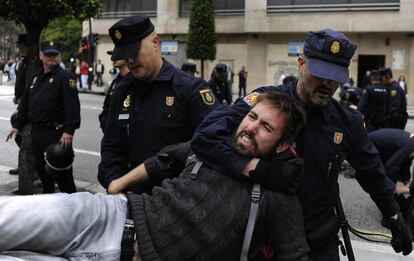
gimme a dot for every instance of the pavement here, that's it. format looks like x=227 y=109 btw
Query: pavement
x=364 y=251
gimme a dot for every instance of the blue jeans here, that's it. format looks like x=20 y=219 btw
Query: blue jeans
x=79 y=226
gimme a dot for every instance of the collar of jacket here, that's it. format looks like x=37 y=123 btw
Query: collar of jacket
x=166 y=72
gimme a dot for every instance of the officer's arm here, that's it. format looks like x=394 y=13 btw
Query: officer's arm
x=168 y=163
x=370 y=172
x=114 y=146
x=363 y=102
x=212 y=141
x=200 y=101
x=71 y=105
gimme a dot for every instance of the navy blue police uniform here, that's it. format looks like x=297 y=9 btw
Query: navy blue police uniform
x=332 y=133
x=350 y=96
x=51 y=105
x=145 y=117
x=396 y=148
x=221 y=87
x=397 y=103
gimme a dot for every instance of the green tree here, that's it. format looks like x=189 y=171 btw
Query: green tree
x=201 y=43
x=67 y=31
x=35 y=16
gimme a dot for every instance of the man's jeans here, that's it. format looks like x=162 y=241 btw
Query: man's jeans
x=79 y=226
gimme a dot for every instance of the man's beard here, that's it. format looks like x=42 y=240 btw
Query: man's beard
x=242 y=149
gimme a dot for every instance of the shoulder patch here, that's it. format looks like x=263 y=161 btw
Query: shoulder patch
x=251 y=98
x=207 y=96
x=72 y=83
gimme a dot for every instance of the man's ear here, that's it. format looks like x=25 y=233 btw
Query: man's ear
x=282 y=147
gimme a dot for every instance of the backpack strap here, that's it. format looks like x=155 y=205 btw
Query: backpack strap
x=254 y=211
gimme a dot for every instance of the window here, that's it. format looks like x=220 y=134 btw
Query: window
x=221 y=7
x=281 y=6
x=124 y=8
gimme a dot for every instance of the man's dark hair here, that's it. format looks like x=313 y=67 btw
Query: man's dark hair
x=294 y=115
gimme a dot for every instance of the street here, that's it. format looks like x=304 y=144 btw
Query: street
x=86 y=139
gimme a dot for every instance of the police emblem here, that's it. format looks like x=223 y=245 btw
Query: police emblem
x=118 y=34
x=393 y=92
x=335 y=47
x=50 y=80
x=251 y=98
x=127 y=101
x=72 y=83
x=207 y=96
x=338 y=136
x=169 y=100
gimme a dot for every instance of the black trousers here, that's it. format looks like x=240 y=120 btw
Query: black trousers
x=328 y=252
x=42 y=137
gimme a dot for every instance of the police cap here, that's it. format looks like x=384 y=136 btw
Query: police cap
x=192 y=67
x=127 y=34
x=221 y=67
x=50 y=47
x=329 y=54
x=22 y=39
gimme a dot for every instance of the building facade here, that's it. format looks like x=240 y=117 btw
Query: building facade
x=267 y=35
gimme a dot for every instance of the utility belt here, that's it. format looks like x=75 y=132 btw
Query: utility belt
x=47 y=125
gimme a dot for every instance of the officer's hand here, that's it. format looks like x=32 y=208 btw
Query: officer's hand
x=162 y=166
x=66 y=139
x=11 y=134
x=400 y=239
x=278 y=175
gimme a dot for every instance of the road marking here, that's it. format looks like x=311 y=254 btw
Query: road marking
x=92 y=108
x=89 y=152
x=4 y=118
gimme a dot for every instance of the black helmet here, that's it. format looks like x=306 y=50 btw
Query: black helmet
x=58 y=157
x=13 y=119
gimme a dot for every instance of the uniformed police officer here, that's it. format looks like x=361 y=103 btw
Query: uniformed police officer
x=219 y=84
x=397 y=103
x=123 y=71
x=155 y=105
x=332 y=133
x=51 y=106
x=396 y=148
x=374 y=103
x=189 y=68
x=350 y=95
x=20 y=85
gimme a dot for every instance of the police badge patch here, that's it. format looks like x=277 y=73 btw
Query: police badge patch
x=169 y=101
x=127 y=102
x=72 y=83
x=251 y=98
x=338 y=136
x=393 y=92
x=207 y=96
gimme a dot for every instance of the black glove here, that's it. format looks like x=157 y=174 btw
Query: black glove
x=400 y=239
x=162 y=166
x=279 y=175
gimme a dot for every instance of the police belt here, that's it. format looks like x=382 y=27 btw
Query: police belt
x=46 y=125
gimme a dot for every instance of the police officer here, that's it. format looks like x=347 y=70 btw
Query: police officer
x=332 y=133
x=123 y=70
x=350 y=95
x=20 y=85
x=219 y=84
x=189 y=68
x=397 y=103
x=155 y=105
x=396 y=148
x=51 y=106
x=374 y=103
